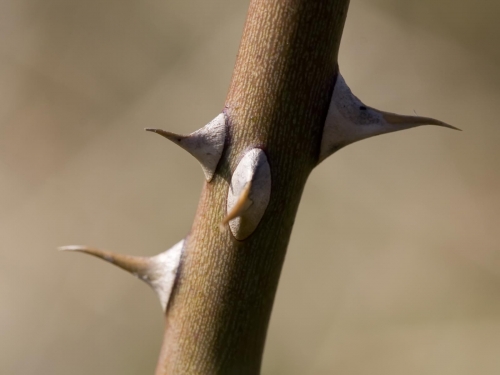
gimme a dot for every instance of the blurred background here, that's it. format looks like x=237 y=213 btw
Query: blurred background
x=394 y=263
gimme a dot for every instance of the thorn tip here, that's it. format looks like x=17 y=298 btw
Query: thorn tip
x=349 y=120
x=249 y=194
x=241 y=205
x=205 y=144
x=158 y=271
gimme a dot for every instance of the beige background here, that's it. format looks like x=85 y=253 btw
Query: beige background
x=394 y=263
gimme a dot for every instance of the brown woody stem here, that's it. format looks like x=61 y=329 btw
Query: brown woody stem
x=218 y=314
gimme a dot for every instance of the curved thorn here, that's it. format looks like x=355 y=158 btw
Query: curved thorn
x=205 y=144
x=176 y=138
x=241 y=205
x=138 y=266
x=249 y=194
x=407 y=121
x=349 y=120
x=158 y=271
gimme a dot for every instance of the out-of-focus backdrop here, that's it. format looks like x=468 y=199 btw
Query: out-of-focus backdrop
x=394 y=263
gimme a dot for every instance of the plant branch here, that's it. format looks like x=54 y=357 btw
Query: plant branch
x=218 y=313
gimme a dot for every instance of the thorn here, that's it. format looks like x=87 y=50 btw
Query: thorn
x=241 y=205
x=249 y=194
x=205 y=144
x=412 y=121
x=158 y=271
x=177 y=138
x=349 y=120
x=135 y=265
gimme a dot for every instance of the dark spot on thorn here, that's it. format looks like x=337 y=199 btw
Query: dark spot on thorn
x=363 y=108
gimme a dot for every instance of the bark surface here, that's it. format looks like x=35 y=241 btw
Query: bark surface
x=217 y=316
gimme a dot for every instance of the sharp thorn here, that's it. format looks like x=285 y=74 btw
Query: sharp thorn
x=158 y=271
x=349 y=120
x=241 y=205
x=205 y=144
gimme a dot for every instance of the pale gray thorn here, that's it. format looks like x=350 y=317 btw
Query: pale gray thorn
x=158 y=271
x=248 y=194
x=349 y=120
x=205 y=144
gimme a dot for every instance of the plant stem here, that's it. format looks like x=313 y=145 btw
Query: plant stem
x=217 y=317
